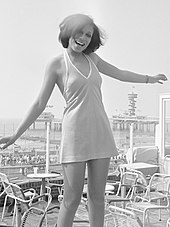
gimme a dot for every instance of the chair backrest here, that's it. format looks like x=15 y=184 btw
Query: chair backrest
x=20 y=197
x=13 y=190
x=160 y=183
x=128 y=180
x=142 y=179
x=33 y=217
x=5 y=183
x=141 y=183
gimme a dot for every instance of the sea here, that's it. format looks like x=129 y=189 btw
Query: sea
x=36 y=139
x=31 y=139
x=122 y=137
x=8 y=126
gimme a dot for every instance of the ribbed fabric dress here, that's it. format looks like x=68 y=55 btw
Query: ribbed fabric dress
x=86 y=131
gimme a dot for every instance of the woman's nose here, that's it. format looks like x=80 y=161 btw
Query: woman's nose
x=82 y=37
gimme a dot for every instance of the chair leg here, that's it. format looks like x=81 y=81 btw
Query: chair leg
x=3 y=211
x=14 y=214
x=17 y=214
x=148 y=217
x=145 y=215
x=159 y=210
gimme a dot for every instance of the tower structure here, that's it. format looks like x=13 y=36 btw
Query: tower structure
x=132 y=103
x=132 y=109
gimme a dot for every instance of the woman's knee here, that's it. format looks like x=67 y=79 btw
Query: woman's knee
x=96 y=198
x=71 y=202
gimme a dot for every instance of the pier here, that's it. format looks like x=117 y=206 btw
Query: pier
x=117 y=122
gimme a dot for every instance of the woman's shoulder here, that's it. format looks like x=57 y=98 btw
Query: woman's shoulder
x=94 y=57
x=56 y=64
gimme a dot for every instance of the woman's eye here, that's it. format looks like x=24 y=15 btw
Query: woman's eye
x=89 y=35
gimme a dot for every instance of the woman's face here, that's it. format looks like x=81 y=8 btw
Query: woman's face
x=81 y=39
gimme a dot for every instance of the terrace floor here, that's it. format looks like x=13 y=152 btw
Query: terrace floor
x=52 y=218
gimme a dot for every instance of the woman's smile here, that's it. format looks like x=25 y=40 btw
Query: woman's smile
x=79 y=43
x=82 y=38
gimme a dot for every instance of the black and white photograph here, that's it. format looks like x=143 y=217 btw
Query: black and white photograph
x=84 y=113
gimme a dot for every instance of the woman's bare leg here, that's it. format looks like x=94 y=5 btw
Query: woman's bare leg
x=97 y=176
x=74 y=174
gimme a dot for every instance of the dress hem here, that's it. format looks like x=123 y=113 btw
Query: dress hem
x=70 y=160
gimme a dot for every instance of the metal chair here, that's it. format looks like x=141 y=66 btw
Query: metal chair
x=156 y=197
x=7 y=190
x=39 y=204
x=120 y=217
x=33 y=217
x=141 y=183
x=60 y=187
x=124 y=189
x=23 y=203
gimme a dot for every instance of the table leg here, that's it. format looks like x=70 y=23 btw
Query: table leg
x=18 y=215
x=43 y=187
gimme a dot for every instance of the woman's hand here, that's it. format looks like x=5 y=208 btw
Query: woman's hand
x=160 y=78
x=7 y=141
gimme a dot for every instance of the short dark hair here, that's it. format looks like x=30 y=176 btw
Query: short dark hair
x=72 y=24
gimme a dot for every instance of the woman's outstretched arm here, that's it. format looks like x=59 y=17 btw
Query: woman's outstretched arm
x=36 y=108
x=125 y=75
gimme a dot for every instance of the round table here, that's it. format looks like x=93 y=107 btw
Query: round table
x=43 y=176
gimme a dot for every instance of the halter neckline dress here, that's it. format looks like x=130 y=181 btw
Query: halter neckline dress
x=86 y=131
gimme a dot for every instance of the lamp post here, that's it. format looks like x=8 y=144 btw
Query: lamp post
x=132 y=107
x=48 y=141
x=131 y=142
x=47 y=147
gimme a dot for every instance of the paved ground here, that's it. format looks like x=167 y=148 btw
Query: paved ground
x=52 y=219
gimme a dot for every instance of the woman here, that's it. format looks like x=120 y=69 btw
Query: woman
x=87 y=139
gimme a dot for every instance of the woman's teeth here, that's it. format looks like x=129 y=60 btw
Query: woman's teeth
x=79 y=43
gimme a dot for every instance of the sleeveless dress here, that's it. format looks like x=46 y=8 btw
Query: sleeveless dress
x=86 y=131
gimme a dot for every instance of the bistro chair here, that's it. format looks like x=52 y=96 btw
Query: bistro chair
x=39 y=207
x=23 y=203
x=60 y=186
x=33 y=217
x=124 y=190
x=155 y=198
x=119 y=217
x=141 y=183
x=7 y=190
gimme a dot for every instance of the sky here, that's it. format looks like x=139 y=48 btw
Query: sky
x=137 y=39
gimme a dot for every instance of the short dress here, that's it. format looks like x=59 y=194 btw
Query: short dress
x=86 y=131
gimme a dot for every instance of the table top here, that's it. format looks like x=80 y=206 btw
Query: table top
x=43 y=175
x=138 y=165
